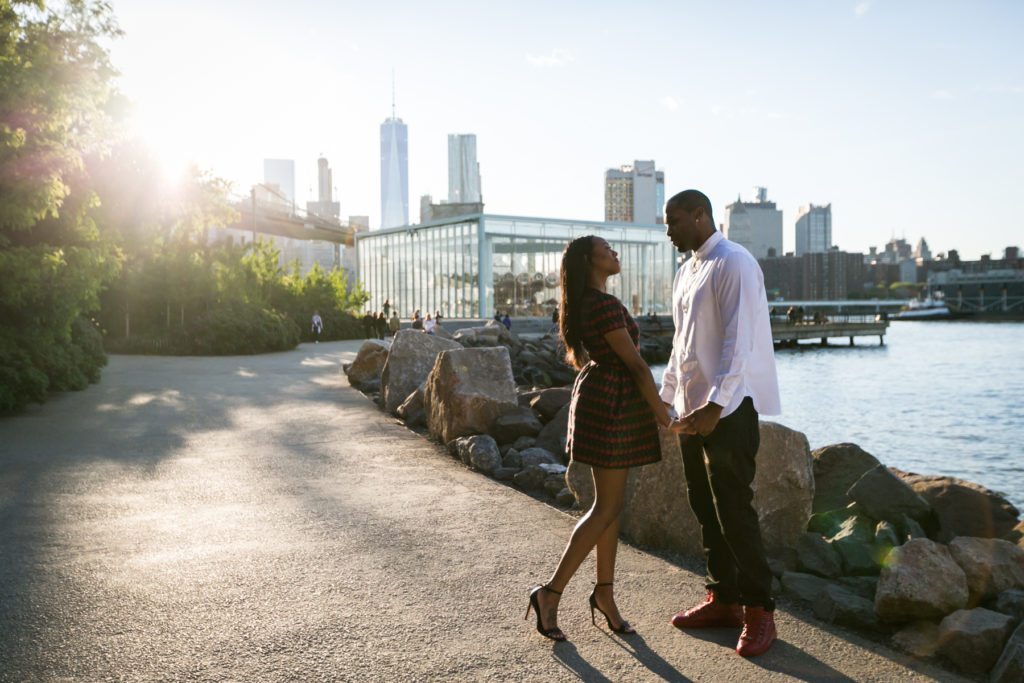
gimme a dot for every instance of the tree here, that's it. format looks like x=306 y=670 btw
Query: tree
x=56 y=104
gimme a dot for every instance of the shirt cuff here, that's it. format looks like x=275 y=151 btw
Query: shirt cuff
x=668 y=394
x=720 y=395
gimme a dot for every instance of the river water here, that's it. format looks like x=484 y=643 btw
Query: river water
x=938 y=398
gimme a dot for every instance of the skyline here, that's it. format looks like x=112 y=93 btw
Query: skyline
x=904 y=117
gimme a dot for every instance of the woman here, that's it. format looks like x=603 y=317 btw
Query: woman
x=613 y=422
x=428 y=325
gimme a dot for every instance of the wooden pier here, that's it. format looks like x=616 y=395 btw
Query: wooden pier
x=788 y=333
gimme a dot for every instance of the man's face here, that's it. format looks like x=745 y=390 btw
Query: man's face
x=682 y=227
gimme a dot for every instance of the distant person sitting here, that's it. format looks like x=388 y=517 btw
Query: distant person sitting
x=437 y=317
x=318 y=326
x=428 y=325
x=417 y=323
x=507 y=322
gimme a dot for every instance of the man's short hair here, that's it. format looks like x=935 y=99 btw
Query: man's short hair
x=688 y=200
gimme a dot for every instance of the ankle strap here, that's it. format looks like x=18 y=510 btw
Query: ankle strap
x=610 y=583
x=549 y=589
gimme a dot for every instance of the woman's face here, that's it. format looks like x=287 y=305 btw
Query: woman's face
x=604 y=259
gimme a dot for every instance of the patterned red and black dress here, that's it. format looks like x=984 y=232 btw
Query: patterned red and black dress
x=610 y=423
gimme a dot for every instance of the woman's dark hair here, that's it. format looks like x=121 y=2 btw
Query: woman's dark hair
x=575 y=269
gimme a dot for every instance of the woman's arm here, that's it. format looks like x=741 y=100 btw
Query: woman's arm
x=622 y=345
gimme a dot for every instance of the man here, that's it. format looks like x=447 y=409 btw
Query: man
x=318 y=325
x=720 y=376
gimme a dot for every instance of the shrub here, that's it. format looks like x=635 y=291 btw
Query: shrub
x=238 y=329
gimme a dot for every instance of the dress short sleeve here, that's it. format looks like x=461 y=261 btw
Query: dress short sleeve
x=606 y=315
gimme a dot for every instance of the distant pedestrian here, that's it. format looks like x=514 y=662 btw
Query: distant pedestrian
x=387 y=308
x=429 y=324
x=369 y=325
x=497 y=316
x=507 y=322
x=381 y=325
x=318 y=326
x=394 y=324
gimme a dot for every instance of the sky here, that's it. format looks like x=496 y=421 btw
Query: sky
x=907 y=116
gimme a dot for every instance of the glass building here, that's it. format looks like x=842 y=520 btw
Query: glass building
x=470 y=266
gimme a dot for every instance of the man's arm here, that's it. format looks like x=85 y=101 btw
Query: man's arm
x=738 y=293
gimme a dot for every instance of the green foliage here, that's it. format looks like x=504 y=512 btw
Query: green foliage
x=239 y=328
x=55 y=104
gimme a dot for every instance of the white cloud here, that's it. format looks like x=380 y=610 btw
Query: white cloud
x=670 y=102
x=861 y=8
x=1008 y=89
x=557 y=57
x=941 y=95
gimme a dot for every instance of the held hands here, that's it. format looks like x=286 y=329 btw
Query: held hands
x=701 y=421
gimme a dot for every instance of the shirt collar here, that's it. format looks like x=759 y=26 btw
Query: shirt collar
x=709 y=244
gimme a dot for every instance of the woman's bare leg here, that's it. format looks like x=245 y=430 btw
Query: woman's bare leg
x=609 y=495
x=607 y=547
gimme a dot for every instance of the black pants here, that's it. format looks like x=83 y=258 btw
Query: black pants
x=721 y=498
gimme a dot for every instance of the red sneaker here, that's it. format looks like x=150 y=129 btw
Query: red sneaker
x=711 y=613
x=758 y=632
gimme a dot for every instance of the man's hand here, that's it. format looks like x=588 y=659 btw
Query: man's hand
x=701 y=421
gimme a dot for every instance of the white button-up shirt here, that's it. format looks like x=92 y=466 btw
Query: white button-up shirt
x=722 y=348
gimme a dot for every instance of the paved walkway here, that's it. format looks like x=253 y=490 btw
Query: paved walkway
x=254 y=519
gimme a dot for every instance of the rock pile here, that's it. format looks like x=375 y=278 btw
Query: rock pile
x=485 y=394
x=932 y=572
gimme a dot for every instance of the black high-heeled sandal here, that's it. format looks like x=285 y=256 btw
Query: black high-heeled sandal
x=624 y=628
x=554 y=633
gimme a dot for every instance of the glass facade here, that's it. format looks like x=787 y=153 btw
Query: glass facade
x=468 y=267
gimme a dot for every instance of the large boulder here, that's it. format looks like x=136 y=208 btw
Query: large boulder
x=783 y=485
x=1011 y=602
x=838 y=605
x=548 y=402
x=973 y=639
x=479 y=452
x=992 y=565
x=836 y=469
x=412 y=411
x=883 y=495
x=920 y=580
x=657 y=512
x=920 y=639
x=963 y=508
x=806 y=587
x=514 y=424
x=467 y=390
x=815 y=555
x=1010 y=667
x=553 y=436
x=369 y=362
x=410 y=360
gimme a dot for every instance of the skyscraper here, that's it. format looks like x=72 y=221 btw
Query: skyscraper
x=634 y=194
x=280 y=174
x=394 y=171
x=813 y=229
x=756 y=225
x=463 y=170
x=325 y=206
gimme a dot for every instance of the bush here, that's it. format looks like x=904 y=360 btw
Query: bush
x=238 y=329
x=32 y=364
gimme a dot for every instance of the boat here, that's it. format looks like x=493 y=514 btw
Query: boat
x=928 y=308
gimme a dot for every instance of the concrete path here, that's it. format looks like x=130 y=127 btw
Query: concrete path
x=255 y=519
